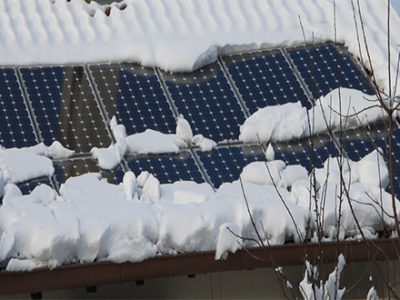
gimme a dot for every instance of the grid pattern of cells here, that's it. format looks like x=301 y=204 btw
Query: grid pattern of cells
x=226 y=163
x=206 y=100
x=168 y=169
x=359 y=142
x=325 y=68
x=65 y=107
x=28 y=187
x=65 y=169
x=306 y=153
x=264 y=79
x=15 y=126
x=133 y=95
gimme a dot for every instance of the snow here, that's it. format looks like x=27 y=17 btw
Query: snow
x=372 y=294
x=151 y=141
x=184 y=35
x=204 y=143
x=22 y=164
x=260 y=172
x=183 y=130
x=92 y=219
x=311 y=289
x=270 y=152
x=341 y=108
x=148 y=142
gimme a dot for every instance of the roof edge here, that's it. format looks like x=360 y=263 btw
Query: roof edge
x=99 y=273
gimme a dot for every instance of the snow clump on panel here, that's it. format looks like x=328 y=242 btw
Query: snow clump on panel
x=148 y=142
x=341 y=107
x=92 y=219
x=22 y=164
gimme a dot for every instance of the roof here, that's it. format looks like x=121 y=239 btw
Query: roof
x=184 y=35
x=180 y=159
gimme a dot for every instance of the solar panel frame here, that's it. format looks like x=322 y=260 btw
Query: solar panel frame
x=79 y=130
x=310 y=152
x=272 y=86
x=14 y=111
x=71 y=167
x=335 y=60
x=28 y=187
x=359 y=142
x=182 y=166
x=141 y=108
x=195 y=95
x=225 y=163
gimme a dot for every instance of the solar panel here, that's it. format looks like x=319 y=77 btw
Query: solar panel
x=264 y=78
x=15 y=126
x=305 y=153
x=325 y=68
x=168 y=169
x=79 y=166
x=65 y=107
x=207 y=101
x=28 y=187
x=134 y=95
x=357 y=143
x=225 y=164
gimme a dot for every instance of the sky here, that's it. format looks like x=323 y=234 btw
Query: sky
x=396 y=5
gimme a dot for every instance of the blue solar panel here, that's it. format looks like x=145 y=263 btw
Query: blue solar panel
x=65 y=107
x=79 y=166
x=15 y=126
x=28 y=187
x=225 y=164
x=306 y=153
x=325 y=68
x=359 y=142
x=168 y=169
x=134 y=95
x=207 y=101
x=264 y=78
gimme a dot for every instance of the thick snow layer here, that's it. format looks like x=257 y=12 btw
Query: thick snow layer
x=151 y=141
x=92 y=219
x=182 y=35
x=341 y=108
x=18 y=165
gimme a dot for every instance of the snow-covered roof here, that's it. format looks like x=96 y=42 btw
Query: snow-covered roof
x=186 y=34
x=90 y=219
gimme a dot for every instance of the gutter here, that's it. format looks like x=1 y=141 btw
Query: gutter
x=99 y=273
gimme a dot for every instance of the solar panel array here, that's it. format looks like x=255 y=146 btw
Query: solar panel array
x=74 y=104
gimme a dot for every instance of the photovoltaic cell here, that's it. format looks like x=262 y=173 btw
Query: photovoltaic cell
x=306 y=153
x=134 y=95
x=28 y=187
x=325 y=68
x=207 y=101
x=264 y=78
x=168 y=169
x=65 y=169
x=65 y=107
x=226 y=163
x=15 y=125
x=360 y=142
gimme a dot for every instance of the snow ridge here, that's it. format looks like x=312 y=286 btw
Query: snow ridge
x=183 y=35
